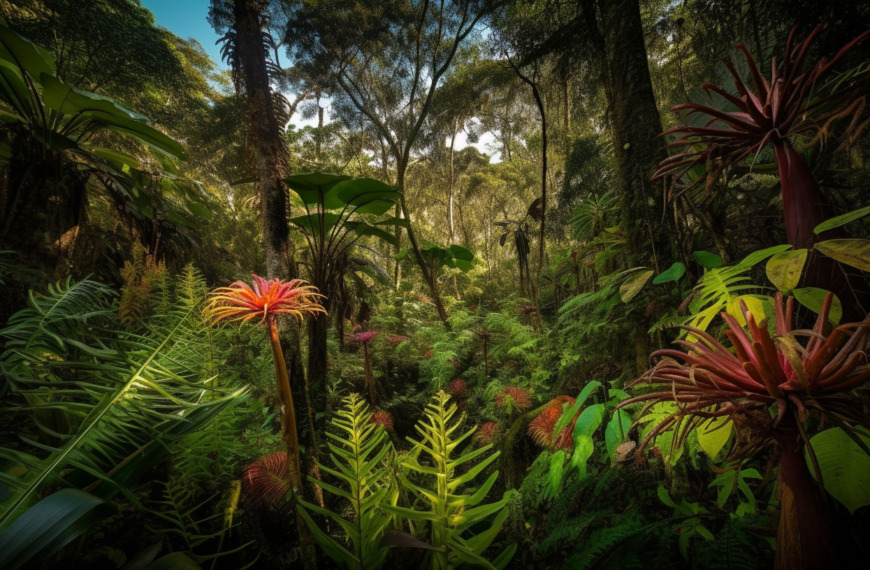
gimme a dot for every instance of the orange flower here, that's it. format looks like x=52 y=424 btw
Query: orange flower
x=265 y=299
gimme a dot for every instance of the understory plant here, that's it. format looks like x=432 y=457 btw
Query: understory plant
x=771 y=386
x=358 y=447
x=454 y=517
x=265 y=300
x=774 y=113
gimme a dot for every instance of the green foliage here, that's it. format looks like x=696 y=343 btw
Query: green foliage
x=357 y=451
x=48 y=526
x=187 y=525
x=117 y=405
x=454 y=518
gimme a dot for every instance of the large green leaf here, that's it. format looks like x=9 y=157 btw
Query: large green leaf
x=68 y=100
x=853 y=252
x=317 y=188
x=845 y=467
x=813 y=297
x=707 y=259
x=48 y=526
x=714 y=434
x=635 y=282
x=316 y=222
x=784 y=269
x=30 y=57
x=672 y=273
x=842 y=220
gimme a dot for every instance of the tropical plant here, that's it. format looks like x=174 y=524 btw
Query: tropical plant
x=775 y=112
x=454 y=518
x=363 y=339
x=49 y=131
x=92 y=409
x=265 y=300
x=359 y=448
x=770 y=386
x=333 y=223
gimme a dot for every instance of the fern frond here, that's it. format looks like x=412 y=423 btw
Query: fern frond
x=121 y=401
x=451 y=512
x=357 y=454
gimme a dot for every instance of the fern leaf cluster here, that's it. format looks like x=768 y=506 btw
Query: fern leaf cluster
x=357 y=451
x=449 y=513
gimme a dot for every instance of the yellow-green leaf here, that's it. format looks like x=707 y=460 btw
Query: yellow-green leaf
x=754 y=304
x=714 y=434
x=854 y=252
x=784 y=269
x=845 y=467
x=812 y=298
x=634 y=284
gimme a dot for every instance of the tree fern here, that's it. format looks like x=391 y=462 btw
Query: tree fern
x=451 y=514
x=122 y=400
x=357 y=451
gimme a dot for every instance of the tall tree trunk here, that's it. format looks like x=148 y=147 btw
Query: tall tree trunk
x=635 y=126
x=270 y=165
x=450 y=183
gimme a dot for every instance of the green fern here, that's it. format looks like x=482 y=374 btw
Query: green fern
x=603 y=542
x=200 y=536
x=450 y=513
x=122 y=402
x=357 y=453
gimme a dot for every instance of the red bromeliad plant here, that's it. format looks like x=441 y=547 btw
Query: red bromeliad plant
x=487 y=432
x=773 y=112
x=265 y=300
x=514 y=397
x=541 y=428
x=363 y=339
x=770 y=386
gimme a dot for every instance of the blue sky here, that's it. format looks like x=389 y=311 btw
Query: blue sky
x=186 y=19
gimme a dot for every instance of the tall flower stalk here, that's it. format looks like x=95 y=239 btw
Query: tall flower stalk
x=770 y=385
x=265 y=300
x=363 y=339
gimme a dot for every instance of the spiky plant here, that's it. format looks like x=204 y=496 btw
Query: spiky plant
x=514 y=398
x=486 y=433
x=770 y=386
x=453 y=511
x=265 y=300
x=542 y=427
x=266 y=480
x=358 y=448
x=773 y=113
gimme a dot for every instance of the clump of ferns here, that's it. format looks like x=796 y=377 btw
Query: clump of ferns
x=770 y=386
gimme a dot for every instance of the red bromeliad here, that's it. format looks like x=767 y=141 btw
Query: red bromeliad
x=769 y=386
x=541 y=428
x=773 y=112
x=265 y=299
x=514 y=397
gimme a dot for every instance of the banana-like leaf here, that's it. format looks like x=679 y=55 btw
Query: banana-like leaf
x=48 y=526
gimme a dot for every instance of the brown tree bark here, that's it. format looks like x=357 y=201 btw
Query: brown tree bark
x=270 y=168
x=635 y=126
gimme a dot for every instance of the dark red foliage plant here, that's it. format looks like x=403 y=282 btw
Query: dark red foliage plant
x=541 y=428
x=514 y=397
x=773 y=112
x=486 y=433
x=771 y=386
x=457 y=387
x=266 y=481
